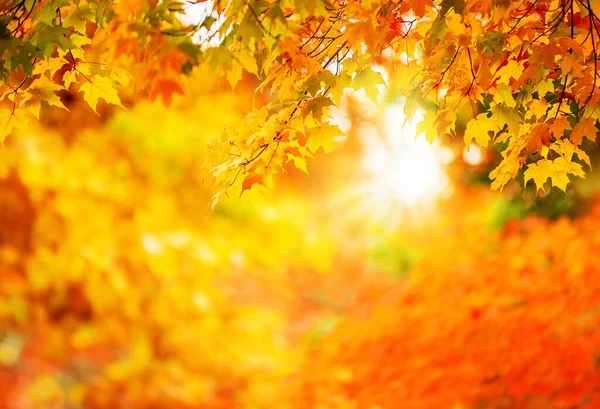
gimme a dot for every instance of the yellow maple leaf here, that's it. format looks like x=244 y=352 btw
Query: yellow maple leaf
x=427 y=126
x=69 y=77
x=558 y=127
x=479 y=127
x=508 y=116
x=557 y=170
x=566 y=149
x=504 y=96
x=511 y=70
x=544 y=87
x=300 y=163
x=44 y=90
x=11 y=120
x=100 y=87
x=504 y=172
x=369 y=80
x=322 y=137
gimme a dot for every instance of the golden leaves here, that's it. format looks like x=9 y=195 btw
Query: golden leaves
x=538 y=137
x=513 y=69
x=559 y=126
x=567 y=149
x=451 y=58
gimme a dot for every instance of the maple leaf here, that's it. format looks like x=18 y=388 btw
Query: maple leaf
x=165 y=88
x=504 y=96
x=251 y=181
x=558 y=127
x=427 y=126
x=322 y=137
x=44 y=90
x=299 y=162
x=513 y=69
x=557 y=170
x=508 y=116
x=585 y=127
x=538 y=137
x=504 y=172
x=567 y=149
x=99 y=87
x=315 y=107
x=9 y=121
x=369 y=79
x=479 y=128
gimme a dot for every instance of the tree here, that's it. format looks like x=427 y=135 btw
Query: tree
x=521 y=76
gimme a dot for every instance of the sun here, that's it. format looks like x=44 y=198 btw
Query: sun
x=404 y=169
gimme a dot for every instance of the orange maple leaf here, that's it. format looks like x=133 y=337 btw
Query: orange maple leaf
x=586 y=127
x=165 y=87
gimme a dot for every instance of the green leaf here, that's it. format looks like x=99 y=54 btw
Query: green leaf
x=49 y=36
x=23 y=56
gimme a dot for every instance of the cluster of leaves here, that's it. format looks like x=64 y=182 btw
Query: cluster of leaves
x=52 y=50
x=524 y=73
x=528 y=73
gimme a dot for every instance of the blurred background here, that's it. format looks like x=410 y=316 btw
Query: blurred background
x=389 y=277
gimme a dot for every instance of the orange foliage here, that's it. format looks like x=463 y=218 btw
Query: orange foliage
x=516 y=328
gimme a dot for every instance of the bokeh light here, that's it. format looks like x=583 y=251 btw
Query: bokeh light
x=473 y=155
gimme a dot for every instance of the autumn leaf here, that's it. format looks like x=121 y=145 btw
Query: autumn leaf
x=300 y=163
x=10 y=121
x=99 y=87
x=557 y=170
x=538 y=137
x=558 y=127
x=507 y=170
x=567 y=149
x=585 y=127
x=45 y=90
x=251 y=181
x=427 y=126
x=369 y=79
x=503 y=95
x=322 y=137
x=480 y=128
x=165 y=88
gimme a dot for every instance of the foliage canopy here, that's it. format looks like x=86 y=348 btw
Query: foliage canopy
x=519 y=75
